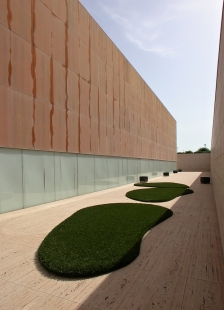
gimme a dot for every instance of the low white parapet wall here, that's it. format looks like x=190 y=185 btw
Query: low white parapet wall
x=194 y=162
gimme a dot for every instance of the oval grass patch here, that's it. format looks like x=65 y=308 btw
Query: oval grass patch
x=99 y=239
x=157 y=194
x=161 y=185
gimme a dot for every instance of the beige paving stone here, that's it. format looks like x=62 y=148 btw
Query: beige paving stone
x=28 y=241
x=117 y=290
x=204 y=295
x=207 y=264
x=207 y=241
x=186 y=248
x=72 y=289
x=14 y=296
x=173 y=260
x=148 y=257
x=160 y=291
x=11 y=251
x=49 y=302
x=17 y=269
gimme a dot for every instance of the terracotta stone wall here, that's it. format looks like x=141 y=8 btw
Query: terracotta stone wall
x=217 y=158
x=194 y=162
x=65 y=87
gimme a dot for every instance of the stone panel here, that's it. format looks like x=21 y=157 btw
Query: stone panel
x=102 y=107
x=5 y=62
x=73 y=15
x=21 y=18
x=5 y=117
x=59 y=84
x=58 y=39
x=110 y=111
x=59 y=129
x=21 y=120
x=84 y=60
x=83 y=24
x=94 y=132
x=59 y=8
x=94 y=68
x=94 y=102
x=55 y=54
x=102 y=44
x=84 y=97
x=85 y=147
x=73 y=132
x=73 y=92
x=73 y=51
x=21 y=59
x=42 y=34
x=102 y=138
x=42 y=75
x=4 y=13
x=47 y=3
x=42 y=125
x=110 y=88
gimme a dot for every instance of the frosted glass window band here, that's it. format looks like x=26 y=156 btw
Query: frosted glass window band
x=30 y=178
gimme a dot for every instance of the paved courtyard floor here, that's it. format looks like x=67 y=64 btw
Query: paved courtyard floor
x=180 y=266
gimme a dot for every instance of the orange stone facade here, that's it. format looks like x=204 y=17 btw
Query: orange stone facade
x=65 y=87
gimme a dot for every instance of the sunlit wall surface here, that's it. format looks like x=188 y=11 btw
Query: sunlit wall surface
x=31 y=178
x=194 y=162
x=67 y=93
x=65 y=87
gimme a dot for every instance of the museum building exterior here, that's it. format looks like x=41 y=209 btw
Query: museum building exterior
x=75 y=116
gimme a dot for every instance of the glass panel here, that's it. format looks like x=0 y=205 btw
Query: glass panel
x=49 y=177
x=151 y=174
x=33 y=178
x=125 y=170
x=11 y=181
x=155 y=167
x=136 y=169
x=57 y=175
x=160 y=169
x=85 y=174
x=68 y=175
x=144 y=168
x=101 y=173
x=139 y=167
x=131 y=170
x=113 y=171
x=122 y=181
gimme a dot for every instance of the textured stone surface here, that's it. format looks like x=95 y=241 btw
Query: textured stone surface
x=180 y=265
x=54 y=51
x=194 y=162
x=217 y=154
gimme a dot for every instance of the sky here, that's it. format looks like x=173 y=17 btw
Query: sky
x=173 y=45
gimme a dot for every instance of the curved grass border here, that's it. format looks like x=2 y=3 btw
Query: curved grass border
x=162 y=185
x=99 y=239
x=157 y=194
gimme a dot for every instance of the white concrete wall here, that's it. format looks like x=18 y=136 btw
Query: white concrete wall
x=217 y=158
x=194 y=162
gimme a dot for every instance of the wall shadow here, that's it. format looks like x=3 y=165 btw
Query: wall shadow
x=165 y=252
x=180 y=231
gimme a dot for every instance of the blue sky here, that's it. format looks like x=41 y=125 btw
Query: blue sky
x=173 y=45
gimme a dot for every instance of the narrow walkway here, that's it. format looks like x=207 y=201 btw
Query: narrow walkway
x=181 y=264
